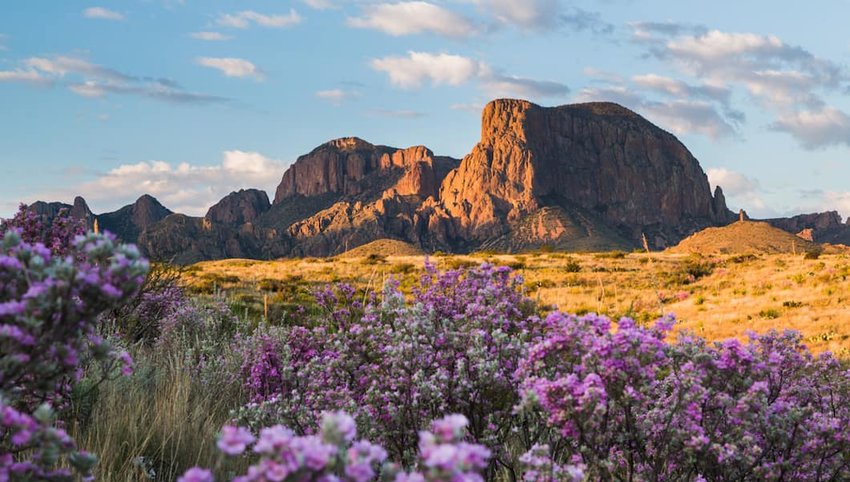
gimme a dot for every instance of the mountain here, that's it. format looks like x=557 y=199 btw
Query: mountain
x=79 y=210
x=128 y=222
x=743 y=237
x=599 y=161
x=593 y=176
x=825 y=227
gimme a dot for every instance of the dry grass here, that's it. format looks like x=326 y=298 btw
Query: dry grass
x=739 y=293
x=158 y=422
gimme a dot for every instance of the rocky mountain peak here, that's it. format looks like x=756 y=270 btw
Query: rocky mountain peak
x=600 y=157
x=243 y=206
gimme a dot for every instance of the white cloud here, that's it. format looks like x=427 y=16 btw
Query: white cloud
x=27 y=76
x=418 y=67
x=406 y=18
x=210 y=36
x=688 y=117
x=337 y=96
x=245 y=18
x=185 y=188
x=679 y=115
x=61 y=65
x=3 y=38
x=497 y=85
x=734 y=183
x=102 y=14
x=87 y=79
x=231 y=66
x=818 y=128
x=526 y=14
x=681 y=89
x=787 y=81
x=319 y=4
x=741 y=191
x=615 y=93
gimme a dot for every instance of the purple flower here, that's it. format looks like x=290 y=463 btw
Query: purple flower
x=197 y=474
x=234 y=440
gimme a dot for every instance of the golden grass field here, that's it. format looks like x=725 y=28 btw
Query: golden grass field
x=716 y=297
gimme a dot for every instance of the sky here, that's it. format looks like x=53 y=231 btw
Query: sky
x=190 y=100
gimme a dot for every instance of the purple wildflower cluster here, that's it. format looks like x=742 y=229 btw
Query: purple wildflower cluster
x=333 y=455
x=578 y=396
x=628 y=405
x=57 y=234
x=50 y=300
x=453 y=348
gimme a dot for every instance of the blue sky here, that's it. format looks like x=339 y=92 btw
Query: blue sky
x=189 y=100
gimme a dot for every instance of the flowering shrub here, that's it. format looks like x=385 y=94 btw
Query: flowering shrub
x=628 y=405
x=155 y=307
x=49 y=305
x=453 y=348
x=334 y=455
x=57 y=235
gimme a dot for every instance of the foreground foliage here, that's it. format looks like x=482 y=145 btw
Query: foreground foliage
x=49 y=304
x=464 y=380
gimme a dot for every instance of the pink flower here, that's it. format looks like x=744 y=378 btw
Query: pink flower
x=196 y=474
x=234 y=440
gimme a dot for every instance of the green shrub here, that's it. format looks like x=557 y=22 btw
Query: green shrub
x=813 y=253
x=374 y=259
x=402 y=268
x=770 y=314
x=611 y=255
x=572 y=266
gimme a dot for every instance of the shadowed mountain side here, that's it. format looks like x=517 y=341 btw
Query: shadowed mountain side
x=128 y=222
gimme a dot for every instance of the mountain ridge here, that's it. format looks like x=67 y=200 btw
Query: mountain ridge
x=591 y=176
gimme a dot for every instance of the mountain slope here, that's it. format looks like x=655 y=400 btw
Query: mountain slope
x=743 y=237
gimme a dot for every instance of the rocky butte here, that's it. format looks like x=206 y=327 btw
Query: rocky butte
x=593 y=176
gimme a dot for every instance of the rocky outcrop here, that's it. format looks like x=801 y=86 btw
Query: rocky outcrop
x=351 y=167
x=128 y=222
x=825 y=227
x=49 y=210
x=238 y=208
x=600 y=157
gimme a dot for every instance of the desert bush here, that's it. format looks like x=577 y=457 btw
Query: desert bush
x=395 y=364
x=770 y=313
x=50 y=300
x=374 y=258
x=813 y=253
x=629 y=405
x=454 y=263
x=402 y=268
x=571 y=266
x=58 y=234
x=691 y=270
x=611 y=255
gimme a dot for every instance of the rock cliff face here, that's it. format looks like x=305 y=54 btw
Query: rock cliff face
x=352 y=167
x=584 y=177
x=600 y=157
x=238 y=208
